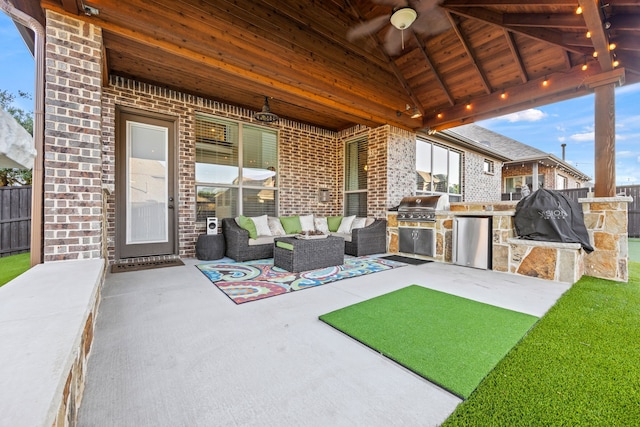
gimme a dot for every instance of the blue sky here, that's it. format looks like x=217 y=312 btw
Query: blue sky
x=570 y=122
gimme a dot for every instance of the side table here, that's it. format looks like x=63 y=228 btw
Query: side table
x=210 y=246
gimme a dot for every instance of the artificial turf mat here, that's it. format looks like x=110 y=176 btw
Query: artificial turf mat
x=577 y=367
x=451 y=341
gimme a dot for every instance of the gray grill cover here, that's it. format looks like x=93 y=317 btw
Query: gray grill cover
x=551 y=216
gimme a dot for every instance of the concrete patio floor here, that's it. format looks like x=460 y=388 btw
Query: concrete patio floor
x=170 y=349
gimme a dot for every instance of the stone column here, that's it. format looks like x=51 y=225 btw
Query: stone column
x=606 y=220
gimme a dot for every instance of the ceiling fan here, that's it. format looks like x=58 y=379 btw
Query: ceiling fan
x=422 y=16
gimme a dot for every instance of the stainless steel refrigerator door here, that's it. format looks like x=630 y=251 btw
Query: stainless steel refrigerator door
x=471 y=242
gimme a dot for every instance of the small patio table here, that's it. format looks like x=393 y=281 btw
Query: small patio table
x=295 y=255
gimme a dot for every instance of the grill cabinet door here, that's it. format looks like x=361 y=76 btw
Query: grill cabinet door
x=405 y=240
x=425 y=243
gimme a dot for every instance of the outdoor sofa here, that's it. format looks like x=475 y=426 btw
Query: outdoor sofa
x=366 y=240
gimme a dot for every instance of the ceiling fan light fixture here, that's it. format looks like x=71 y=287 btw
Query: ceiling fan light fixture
x=266 y=115
x=416 y=114
x=403 y=18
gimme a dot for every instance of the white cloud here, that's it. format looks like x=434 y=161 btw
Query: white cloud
x=562 y=139
x=583 y=137
x=625 y=154
x=628 y=89
x=530 y=115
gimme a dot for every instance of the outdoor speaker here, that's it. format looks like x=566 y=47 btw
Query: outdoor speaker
x=212 y=225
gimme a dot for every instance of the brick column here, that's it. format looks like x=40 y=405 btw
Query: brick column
x=72 y=152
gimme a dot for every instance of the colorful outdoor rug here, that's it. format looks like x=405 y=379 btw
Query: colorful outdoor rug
x=254 y=280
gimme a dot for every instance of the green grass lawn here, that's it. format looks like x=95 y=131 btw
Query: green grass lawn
x=13 y=266
x=634 y=250
x=577 y=366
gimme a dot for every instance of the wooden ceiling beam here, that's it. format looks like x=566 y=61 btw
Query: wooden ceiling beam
x=546 y=35
x=71 y=6
x=529 y=95
x=544 y=20
x=592 y=14
x=577 y=39
x=511 y=42
x=436 y=73
x=495 y=3
x=470 y=53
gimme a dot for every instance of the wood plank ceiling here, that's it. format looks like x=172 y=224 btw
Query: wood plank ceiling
x=462 y=60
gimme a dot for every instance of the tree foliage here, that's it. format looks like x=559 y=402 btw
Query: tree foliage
x=10 y=176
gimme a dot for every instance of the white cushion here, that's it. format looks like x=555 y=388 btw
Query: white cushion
x=262 y=226
x=321 y=224
x=275 y=226
x=359 y=223
x=261 y=240
x=345 y=236
x=370 y=220
x=345 y=225
x=306 y=222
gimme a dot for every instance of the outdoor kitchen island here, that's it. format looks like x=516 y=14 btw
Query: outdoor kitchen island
x=605 y=219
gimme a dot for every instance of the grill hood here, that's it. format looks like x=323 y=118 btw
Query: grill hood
x=422 y=208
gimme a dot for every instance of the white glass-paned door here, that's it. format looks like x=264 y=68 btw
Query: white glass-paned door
x=147 y=186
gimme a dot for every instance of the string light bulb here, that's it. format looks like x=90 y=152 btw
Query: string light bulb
x=439 y=115
x=468 y=105
x=588 y=35
x=503 y=95
x=612 y=46
x=584 y=65
x=595 y=53
x=545 y=82
x=579 y=10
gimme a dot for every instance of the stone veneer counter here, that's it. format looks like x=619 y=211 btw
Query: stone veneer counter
x=606 y=220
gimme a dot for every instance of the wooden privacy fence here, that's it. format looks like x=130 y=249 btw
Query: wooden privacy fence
x=15 y=220
x=633 y=226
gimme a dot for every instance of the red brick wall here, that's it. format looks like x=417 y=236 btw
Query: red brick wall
x=72 y=149
x=309 y=158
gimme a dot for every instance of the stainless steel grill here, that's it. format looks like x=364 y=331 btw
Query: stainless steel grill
x=421 y=208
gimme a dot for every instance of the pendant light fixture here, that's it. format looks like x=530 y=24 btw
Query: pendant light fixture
x=266 y=115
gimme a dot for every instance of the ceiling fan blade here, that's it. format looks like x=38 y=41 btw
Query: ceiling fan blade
x=392 y=3
x=393 y=41
x=369 y=27
x=424 y=6
x=431 y=23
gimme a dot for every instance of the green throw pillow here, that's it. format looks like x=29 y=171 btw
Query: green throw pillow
x=291 y=224
x=334 y=223
x=249 y=225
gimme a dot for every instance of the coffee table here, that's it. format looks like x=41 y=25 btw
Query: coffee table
x=307 y=254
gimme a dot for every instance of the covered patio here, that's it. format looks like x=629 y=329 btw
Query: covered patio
x=170 y=346
x=172 y=349
x=337 y=66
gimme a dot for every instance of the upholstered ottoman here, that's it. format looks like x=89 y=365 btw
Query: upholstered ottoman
x=292 y=254
x=210 y=246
